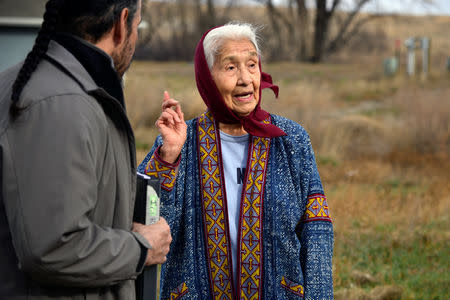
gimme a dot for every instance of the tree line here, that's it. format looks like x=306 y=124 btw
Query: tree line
x=292 y=30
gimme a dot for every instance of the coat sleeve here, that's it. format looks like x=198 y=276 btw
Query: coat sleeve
x=55 y=169
x=315 y=232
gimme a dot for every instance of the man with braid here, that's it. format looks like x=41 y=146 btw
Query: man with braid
x=67 y=158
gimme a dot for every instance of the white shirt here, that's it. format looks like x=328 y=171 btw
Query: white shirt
x=234 y=158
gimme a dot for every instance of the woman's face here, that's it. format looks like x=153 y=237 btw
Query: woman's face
x=237 y=75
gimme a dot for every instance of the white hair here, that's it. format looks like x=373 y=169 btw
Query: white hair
x=214 y=40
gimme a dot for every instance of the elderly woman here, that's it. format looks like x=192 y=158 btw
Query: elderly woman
x=242 y=195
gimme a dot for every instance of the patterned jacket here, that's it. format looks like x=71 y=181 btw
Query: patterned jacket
x=286 y=234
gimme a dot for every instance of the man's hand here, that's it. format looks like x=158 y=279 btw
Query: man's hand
x=172 y=127
x=159 y=237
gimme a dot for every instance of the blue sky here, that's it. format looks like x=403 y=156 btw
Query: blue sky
x=439 y=7
x=417 y=7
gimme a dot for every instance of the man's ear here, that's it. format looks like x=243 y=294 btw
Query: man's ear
x=120 y=28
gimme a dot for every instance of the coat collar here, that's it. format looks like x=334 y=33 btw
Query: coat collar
x=96 y=62
x=71 y=66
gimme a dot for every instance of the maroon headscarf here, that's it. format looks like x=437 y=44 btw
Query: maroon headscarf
x=215 y=103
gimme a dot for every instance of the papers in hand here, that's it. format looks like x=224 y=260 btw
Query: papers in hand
x=147 y=206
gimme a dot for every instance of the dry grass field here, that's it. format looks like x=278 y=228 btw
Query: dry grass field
x=383 y=150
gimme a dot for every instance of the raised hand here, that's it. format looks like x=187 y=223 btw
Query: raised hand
x=172 y=127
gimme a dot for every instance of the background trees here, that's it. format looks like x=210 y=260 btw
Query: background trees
x=298 y=30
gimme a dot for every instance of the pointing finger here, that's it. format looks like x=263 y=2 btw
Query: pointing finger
x=166 y=95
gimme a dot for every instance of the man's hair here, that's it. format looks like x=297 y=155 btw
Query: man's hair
x=214 y=40
x=87 y=19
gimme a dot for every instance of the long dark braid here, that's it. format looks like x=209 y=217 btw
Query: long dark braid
x=35 y=55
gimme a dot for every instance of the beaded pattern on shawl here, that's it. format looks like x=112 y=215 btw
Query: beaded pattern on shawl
x=214 y=214
x=317 y=209
x=164 y=171
x=214 y=211
x=250 y=242
x=179 y=292
x=291 y=286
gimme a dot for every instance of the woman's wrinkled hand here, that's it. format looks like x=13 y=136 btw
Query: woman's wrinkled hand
x=172 y=128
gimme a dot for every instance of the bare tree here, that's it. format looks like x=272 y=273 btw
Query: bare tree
x=302 y=14
x=350 y=26
x=275 y=19
x=174 y=27
x=295 y=22
x=209 y=16
x=295 y=31
x=321 y=27
x=345 y=33
x=324 y=42
x=204 y=19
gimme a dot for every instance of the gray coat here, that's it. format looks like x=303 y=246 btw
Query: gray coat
x=68 y=185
